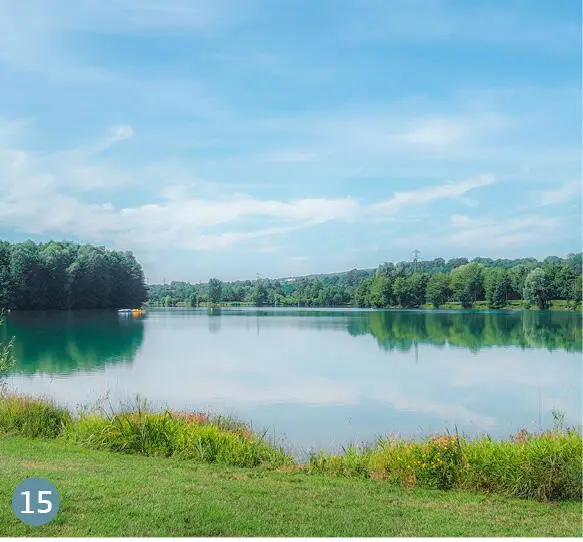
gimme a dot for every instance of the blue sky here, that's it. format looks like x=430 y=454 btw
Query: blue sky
x=233 y=137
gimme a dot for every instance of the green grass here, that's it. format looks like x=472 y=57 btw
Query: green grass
x=192 y=436
x=31 y=416
x=105 y=494
x=544 y=466
x=135 y=429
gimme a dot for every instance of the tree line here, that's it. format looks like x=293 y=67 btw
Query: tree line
x=66 y=275
x=405 y=284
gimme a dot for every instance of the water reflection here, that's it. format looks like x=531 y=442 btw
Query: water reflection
x=321 y=377
x=402 y=330
x=64 y=342
x=60 y=342
x=214 y=314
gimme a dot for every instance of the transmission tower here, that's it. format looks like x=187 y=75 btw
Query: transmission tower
x=415 y=259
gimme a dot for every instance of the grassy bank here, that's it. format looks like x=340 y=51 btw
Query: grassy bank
x=135 y=429
x=106 y=494
x=544 y=466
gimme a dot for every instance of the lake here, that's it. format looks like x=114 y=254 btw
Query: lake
x=314 y=378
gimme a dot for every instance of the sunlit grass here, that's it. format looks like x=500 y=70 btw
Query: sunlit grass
x=544 y=466
x=136 y=429
x=31 y=416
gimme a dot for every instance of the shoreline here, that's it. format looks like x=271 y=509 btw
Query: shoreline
x=480 y=306
x=518 y=466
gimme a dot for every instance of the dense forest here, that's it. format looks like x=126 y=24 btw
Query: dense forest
x=64 y=275
x=405 y=284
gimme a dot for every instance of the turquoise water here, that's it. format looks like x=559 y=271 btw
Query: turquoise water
x=314 y=378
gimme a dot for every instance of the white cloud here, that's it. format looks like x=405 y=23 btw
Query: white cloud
x=185 y=213
x=568 y=192
x=125 y=131
x=33 y=201
x=68 y=193
x=494 y=233
x=426 y=195
x=433 y=132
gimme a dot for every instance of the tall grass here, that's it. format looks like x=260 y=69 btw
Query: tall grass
x=31 y=416
x=184 y=435
x=136 y=429
x=545 y=466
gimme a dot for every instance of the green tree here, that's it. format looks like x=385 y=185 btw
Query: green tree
x=562 y=280
x=536 y=289
x=227 y=293
x=6 y=290
x=517 y=275
x=575 y=261
x=380 y=291
x=497 y=287
x=575 y=294
x=438 y=289
x=215 y=289
x=419 y=288
x=56 y=258
x=362 y=293
x=467 y=283
x=259 y=295
x=403 y=292
x=27 y=277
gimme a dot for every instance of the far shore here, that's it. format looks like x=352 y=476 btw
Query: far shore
x=556 y=305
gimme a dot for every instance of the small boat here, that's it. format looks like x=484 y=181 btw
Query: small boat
x=134 y=312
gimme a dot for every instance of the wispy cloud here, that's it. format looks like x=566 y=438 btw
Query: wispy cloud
x=38 y=199
x=217 y=128
x=569 y=192
x=432 y=132
x=500 y=234
x=426 y=195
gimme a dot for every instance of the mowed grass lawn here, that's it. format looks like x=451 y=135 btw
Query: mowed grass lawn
x=106 y=494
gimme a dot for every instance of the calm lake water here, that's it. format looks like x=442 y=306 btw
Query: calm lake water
x=314 y=378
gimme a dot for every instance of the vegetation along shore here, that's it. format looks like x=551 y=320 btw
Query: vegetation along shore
x=483 y=283
x=464 y=486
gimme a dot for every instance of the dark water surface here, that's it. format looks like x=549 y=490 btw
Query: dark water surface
x=316 y=378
